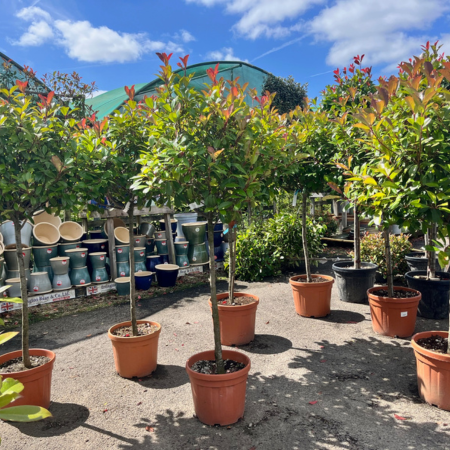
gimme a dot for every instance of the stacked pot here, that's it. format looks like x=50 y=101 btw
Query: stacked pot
x=99 y=274
x=60 y=266
x=219 y=250
x=195 y=235
x=181 y=253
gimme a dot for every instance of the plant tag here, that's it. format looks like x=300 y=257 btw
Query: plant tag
x=197 y=230
x=119 y=250
x=163 y=243
x=36 y=289
x=185 y=263
x=82 y=281
x=102 y=246
x=98 y=278
x=294 y=200
x=185 y=246
x=59 y=283
x=142 y=253
x=122 y=274
x=64 y=262
x=102 y=257
x=138 y=241
x=83 y=255
x=404 y=314
x=49 y=250
x=127 y=207
x=23 y=254
x=194 y=258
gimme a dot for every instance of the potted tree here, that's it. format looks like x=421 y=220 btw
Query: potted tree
x=204 y=149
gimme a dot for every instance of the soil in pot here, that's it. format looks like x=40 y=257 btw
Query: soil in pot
x=16 y=364
x=210 y=367
x=435 y=343
x=143 y=330
x=397 y=294
x=238 y=301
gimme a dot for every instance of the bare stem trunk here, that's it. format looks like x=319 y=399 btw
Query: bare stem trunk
x=67 y=216
x=24 y=292
x=431 y=273
x=132 y=281
x=215 y=308
x=305 y=238
x=387 y=254
x=357 y=242
x=232 y=265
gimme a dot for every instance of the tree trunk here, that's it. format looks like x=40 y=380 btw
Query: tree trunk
x=387 y=254
x=24 y=292
x=215 y=308
x=232 y=265
x=431 y=272
x=132 y=281
x=67 y=216
x=357 y=242
x=305 y=238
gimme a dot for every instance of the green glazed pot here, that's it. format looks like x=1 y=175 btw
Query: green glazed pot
x=123 y=253
x=182 y=261
x=79 y=276
x=181 y=248
x=161 y=246
x=42 y=255
x=98 y=260
x=139 y=254
x=195 y=232
x=78 y=257
x=123 y=269
x=149 y=245
x=47 y=269
x=123 y=285
x=99 y=275
x=197 y=254
x=139 y=266
x=67 y=246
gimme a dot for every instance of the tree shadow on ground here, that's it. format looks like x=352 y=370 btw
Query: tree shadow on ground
x=267 y=344
x=342 y=316
x=165 y=376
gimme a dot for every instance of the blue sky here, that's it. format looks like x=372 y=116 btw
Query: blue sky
x=114 y=42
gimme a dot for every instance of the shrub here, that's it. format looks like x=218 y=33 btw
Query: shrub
x=372 y=250
x=266 y=248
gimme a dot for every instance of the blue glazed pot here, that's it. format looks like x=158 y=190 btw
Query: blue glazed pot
x=96 y=234
x=143 y=280
x=164 y=259
x=98 y=260
x=123 y=253
x=152 y=262
x=61 y=282
x=78 y=257
x=42 y=255
x=182 y=261
x=79 y=276
x=217 y=226
x=149 y=245
x=173 y=225
x=167 y=274
x=99 y=275
x=218 y=237
x=218 y=253
x=139 y=266
x=123 y=285
x=67 y=246
x=96 y=245
x=161 y=245
x=123 y=269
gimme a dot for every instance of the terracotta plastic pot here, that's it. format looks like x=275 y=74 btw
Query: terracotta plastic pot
x=122 y=235
x=78 y=257
x=71 y=231
x=60 y=265
x=237 y=323
x=117 y=223
x=37 y=381
x=219 y=399
x=181 y=248
x=182 y=261
x=79 y=276
x=143 y=280
x=148 y=229
x=123 y=269
x=173 y=225
x=123 y=253
x=61 y=282
x=62 y=248
x=42 y=255
x=393 y=316
x=42 y=216
x=312 y=299
x=9 y=235
x=135 y=356
x=167 y=274
x=99 y=275
x=152 y=262
x=194 y=232
x=161 y=246
x=197 y=254
x=11 y=260
x=123 y=285
x=45 y=234
x=433 y=372
x=40 y=283
x=96 y=245
x=98 y=260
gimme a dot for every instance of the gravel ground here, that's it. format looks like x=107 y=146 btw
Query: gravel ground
x=358 y=379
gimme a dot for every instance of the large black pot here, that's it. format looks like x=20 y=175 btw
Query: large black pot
x=435 y=294
x=418 y=261
x=353 y=283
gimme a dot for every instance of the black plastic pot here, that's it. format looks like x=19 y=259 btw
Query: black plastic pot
x=435 y=294
x=417 y=261
x=353 y=283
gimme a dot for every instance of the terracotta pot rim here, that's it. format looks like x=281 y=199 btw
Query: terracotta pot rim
x=428 y=353
x=377 y=298
x=35 y=370
x=293 y=280
x=133 y=339
x=222 y=377
x=236 y=307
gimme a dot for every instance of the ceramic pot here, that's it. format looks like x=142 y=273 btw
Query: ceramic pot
x=164 y=259
x=9 y=235
x=123 y=285
x=433 y=372
x=194 y=232
x=78 y=257
x=218 y=237
x=123 y=269
x=173 y=225
x=11 y=260
x=219 y=399
x=61 y=282
x=47 y=269
x=60 y=265
x=184 y=218
x=71 y=232
x=98 y=260
x=160 y=235
x=152 y=262
x=96 y=234
x=393 y=316
x=197 y=254
x=42 y=216
x=37 y=381
x=218 y=253
x=149 y=245
x=62 y=248
x=99 y=275
x=42 y=255
x=40 y=283
x=14 y=289
x=143 y=280
x=147 y=229
x=237 y=323
x=311 y=299
x=45 y=234
x=96 y=245
x=167 y=274
x=135 y=356
x=139 y=254
x=123 y=253
x=218 y=226
x=2 y=247
x=117 y=223
x=161 y=246
x=122 y=235
x=181 y=248
x=182 y=261
x=419 y=261
x=139 y=241
x=79 y=276
x=10 y=274
x=140 y=267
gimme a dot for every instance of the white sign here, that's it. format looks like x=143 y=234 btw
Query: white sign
x=404 y=314
x=100 y=288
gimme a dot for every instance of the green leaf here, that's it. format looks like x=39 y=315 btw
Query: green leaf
x=10 y=385
x=24 y=413
x=5 y=337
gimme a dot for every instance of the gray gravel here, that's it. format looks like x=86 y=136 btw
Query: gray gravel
x=359 y=380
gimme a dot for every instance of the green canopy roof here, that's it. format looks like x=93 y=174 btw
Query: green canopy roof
x=108 y=102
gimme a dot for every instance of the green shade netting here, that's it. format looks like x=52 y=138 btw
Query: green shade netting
x=108 y=102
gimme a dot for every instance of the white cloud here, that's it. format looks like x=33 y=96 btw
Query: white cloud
x=225 y=54
x=186 y=36
x=33 y=13
x=37 y=34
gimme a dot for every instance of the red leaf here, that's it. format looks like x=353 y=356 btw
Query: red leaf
x=148 y=428
x=50 y=97
x=399 y=417
x=313 y=403
x=21 y=85
x=184 y=60
x=105 y=410
x=322 y=346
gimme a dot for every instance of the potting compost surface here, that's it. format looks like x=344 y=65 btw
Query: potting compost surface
x=397 y=294
x=16 y=364
x=143 y=329
x=238 y=301
x=434 y=343
x=314 y=280
x=210 y=367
